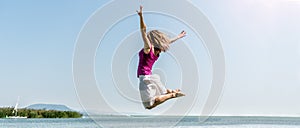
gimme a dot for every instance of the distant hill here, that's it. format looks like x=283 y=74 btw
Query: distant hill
x=49 y=107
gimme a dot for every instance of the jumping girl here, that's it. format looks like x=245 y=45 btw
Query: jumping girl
x=152 y=91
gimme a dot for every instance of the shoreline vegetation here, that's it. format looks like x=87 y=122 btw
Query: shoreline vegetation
x=39 y=113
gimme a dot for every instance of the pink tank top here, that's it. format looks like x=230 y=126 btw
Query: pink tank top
x=146 y=62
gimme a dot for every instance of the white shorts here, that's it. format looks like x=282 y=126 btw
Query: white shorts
x=150 y=87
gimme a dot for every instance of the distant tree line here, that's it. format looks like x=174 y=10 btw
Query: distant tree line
x=32 y=113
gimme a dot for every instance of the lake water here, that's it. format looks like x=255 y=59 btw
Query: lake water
x=177 y=122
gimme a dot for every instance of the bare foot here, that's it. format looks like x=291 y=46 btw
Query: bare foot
x=177 y=94
x=176 y=90
x=172 y=91
x=169 y=91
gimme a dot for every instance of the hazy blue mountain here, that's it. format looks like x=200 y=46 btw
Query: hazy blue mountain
x=49 y=107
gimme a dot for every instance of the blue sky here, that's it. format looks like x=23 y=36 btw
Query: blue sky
x=260 y=39
x=37 y=43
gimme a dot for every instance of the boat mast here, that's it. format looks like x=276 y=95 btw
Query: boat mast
x=15 y=111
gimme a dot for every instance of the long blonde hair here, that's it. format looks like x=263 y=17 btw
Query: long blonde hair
x=159 y=40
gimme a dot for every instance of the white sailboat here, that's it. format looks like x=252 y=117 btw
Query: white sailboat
x=15 y=111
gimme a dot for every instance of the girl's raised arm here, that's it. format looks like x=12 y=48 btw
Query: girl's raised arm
x=147 y=43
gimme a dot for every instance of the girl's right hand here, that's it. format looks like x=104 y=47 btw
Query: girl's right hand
x=141 y=10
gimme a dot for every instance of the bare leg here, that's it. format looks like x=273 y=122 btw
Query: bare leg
x=162 y=98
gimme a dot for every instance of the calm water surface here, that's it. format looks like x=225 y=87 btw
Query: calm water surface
x=164 y=122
